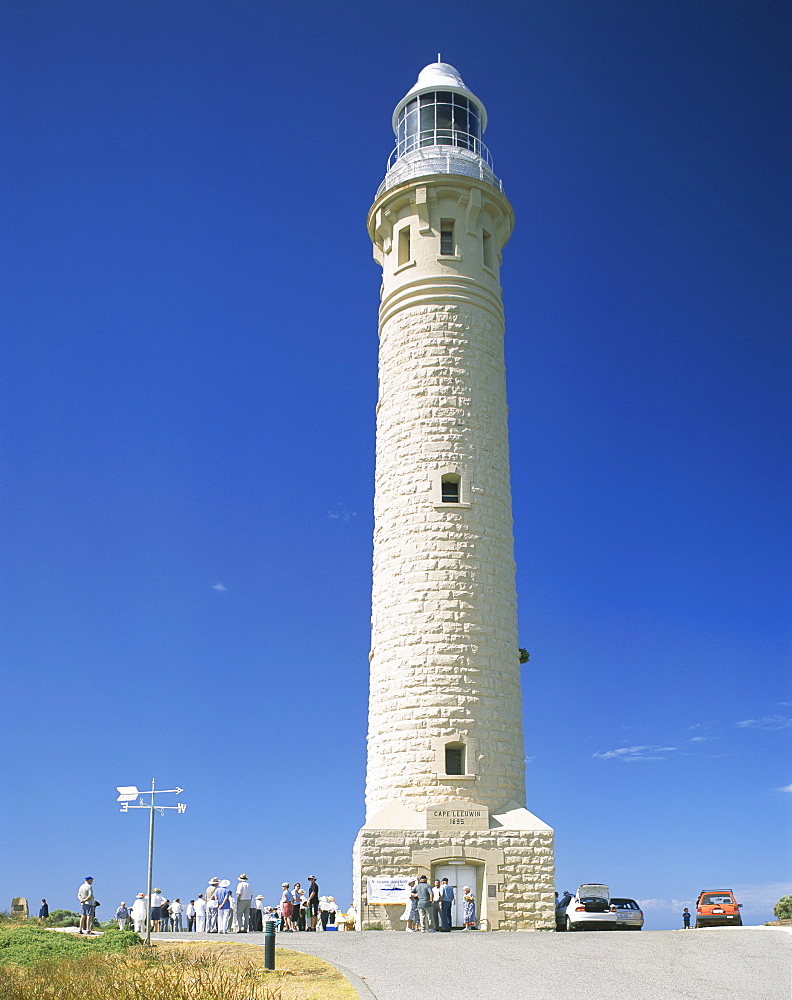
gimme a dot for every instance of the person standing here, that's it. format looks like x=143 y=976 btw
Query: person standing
x=313 y=901
x=200 y=914
x=122 y=916
x=87 y=901
x=43 y=910
x=189 y=912
x=410 y=914
x=446 y=899
x=424 y=893
x=223 y=895
x=286 y=908
x=155 y=910
x=686 y=919
x=211 y=905
x=243 y=905
x=176 y=910
x=139 y=914
x=436 y=905
x=468 y=909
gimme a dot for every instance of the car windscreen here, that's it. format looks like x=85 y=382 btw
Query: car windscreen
x=625 y=904
x=711 y=899
x=593 y=891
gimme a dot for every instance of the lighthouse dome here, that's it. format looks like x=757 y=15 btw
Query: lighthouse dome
x=443 y=77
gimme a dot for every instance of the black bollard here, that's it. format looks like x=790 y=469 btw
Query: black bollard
x=269 y=945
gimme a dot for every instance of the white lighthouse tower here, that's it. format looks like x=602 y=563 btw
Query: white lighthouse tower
x=445 y=787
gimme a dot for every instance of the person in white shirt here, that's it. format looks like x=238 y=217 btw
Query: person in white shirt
x=176 y=910
x=200 y=914
x=435 y=911
x=243 y=904
x=157 y=899
x=189 y=912
x=139 y=914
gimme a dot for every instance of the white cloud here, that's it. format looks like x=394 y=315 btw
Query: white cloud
x=756 y=896
x=769 y=723
x=341 y=514
x=785 y=788
x=665 y=904
x=218 y=586
x=635 y=753
x=700 y=739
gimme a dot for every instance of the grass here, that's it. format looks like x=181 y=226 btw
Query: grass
x=107 y=968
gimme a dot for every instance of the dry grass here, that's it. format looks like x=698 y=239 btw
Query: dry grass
x=175 y=971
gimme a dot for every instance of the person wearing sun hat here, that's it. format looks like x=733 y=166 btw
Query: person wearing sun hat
x=211 y=905
x=243 y=904
x=139 y=913
x=223 y=896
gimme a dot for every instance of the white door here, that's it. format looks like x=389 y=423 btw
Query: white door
x=458 y=877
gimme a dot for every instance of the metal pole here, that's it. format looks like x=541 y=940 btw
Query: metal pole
x=150 y=866
x=269 y=945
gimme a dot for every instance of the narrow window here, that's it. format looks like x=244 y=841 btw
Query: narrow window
x=455 y=758
x=450 y=489
x=447 y=237
x=404 y=245
x=487 y=239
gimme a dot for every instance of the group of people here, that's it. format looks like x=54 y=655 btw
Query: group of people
x=428 y=909
x=220 y=909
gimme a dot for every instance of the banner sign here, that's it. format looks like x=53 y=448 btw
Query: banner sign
x=384 y=890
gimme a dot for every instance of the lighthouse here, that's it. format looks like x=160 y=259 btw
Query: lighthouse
x=445 y=780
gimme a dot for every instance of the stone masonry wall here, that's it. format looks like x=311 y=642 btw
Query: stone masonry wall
x=520 y=865
x=444 y=636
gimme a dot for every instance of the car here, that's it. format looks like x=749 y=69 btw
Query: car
x=629 y=914
x=717 y=908
x=588 y=909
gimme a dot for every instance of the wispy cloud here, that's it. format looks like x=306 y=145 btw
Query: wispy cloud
x=769 y=723
x=218 y=586
x=756 y=896
x=700 y=739
x=340 y=513
x=785 y=788
x=635 y=753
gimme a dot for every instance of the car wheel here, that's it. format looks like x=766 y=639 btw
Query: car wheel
x=569 y=925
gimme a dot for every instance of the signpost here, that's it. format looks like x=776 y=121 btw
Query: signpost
x=127 y=794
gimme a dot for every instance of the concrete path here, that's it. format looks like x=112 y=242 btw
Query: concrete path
x=728 y=964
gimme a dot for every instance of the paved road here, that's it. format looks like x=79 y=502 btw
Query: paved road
x=713 y=964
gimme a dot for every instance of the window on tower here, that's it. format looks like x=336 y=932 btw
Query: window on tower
x=455 y=758
x=447 y=237
x=404 y=246
x=487 y=248
x=450 y=489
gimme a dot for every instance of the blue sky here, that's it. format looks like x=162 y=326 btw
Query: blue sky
x=189 y=379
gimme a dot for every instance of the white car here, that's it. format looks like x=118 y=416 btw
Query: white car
x=589 y=909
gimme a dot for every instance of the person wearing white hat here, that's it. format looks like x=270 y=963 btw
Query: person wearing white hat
x=243 y=904
x=223 y=896
x=139 y=913
x=211 y=905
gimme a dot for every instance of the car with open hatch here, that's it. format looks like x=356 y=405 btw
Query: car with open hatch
x=629 y=915
x=717 y=908
x=588 y=909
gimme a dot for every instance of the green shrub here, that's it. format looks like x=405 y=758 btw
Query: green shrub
x=63 y=918
x=783 y=908
x=27 y=945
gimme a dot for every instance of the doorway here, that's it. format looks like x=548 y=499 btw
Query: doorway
x=458 y=877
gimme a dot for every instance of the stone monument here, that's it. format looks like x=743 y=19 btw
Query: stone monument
x=445 y=786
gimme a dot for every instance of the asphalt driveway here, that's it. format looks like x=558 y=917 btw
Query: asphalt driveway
x=728 y=964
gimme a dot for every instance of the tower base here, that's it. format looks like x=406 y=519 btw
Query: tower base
x=509 y=867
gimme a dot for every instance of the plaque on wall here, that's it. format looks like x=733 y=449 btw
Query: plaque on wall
x=457 y=815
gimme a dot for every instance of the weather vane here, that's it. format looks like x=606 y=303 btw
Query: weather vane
x=127 y=794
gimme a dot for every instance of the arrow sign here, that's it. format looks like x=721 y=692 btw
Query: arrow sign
x=127 y=793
